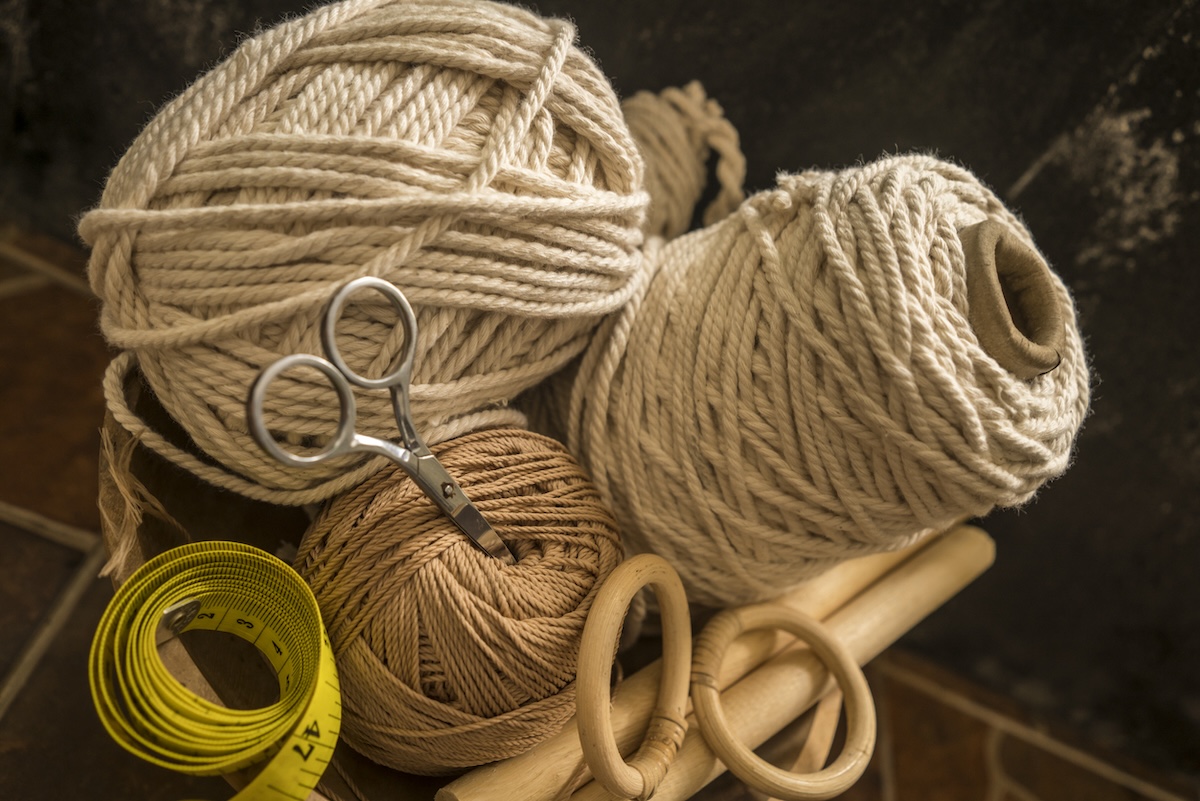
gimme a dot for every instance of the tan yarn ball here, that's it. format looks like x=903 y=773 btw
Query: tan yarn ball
x=800 y=384
x=464 y=150
x=447 y=657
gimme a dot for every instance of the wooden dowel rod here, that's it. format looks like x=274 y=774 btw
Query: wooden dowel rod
x=781 y=689
x=556 y=767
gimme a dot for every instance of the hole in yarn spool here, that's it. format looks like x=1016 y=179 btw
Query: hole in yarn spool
x=1013 y=305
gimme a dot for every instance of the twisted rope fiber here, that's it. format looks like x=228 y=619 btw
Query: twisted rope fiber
x=447 y=657
x=462 y=149
x=799 y=384
x=677 y=130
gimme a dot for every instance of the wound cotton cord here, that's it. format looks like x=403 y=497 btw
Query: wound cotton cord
x=450 y=658
x=462 y=149
x=677 y=130
x=800 y=383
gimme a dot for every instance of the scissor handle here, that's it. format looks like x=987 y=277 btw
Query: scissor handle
x=343 y=438
x=402 y=374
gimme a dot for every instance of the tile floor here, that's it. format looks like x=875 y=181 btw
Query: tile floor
x=940 y=738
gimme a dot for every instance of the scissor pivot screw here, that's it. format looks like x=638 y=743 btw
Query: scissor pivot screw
x=448 y=490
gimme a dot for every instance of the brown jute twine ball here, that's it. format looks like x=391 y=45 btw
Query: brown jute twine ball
x=448 y=658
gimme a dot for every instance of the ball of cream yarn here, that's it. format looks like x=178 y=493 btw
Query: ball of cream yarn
x=447 y=657
x=799 y=384
x=464 y=150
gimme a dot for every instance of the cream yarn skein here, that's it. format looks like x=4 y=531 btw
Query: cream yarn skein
x=464 y=150
x=800 y=383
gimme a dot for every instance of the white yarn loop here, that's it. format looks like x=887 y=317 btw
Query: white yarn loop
x=462 y=149
x=799 y=384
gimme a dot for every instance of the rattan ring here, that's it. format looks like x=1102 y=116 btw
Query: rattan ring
x=744 y=763
x=638 y=777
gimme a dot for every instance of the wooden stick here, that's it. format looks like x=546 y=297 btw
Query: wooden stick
x=556 y=767
x=815 y=751
x=784 y=687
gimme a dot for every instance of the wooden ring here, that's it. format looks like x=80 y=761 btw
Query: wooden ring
x=638 y=777
x=744 y=763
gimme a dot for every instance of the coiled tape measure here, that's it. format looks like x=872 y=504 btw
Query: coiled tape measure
x=236 y=588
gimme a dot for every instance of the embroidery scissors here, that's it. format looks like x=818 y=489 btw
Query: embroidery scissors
x=411 y=452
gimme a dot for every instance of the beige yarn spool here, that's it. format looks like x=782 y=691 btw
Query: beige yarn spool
x=800 y=383
x=447 y=657
x=462 y=149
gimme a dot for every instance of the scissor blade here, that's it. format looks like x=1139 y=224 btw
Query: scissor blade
x=480 y=532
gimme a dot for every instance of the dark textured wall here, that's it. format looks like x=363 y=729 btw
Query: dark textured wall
x=1082 y=115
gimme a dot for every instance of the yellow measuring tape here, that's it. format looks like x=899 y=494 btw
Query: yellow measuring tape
x=236 y=588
